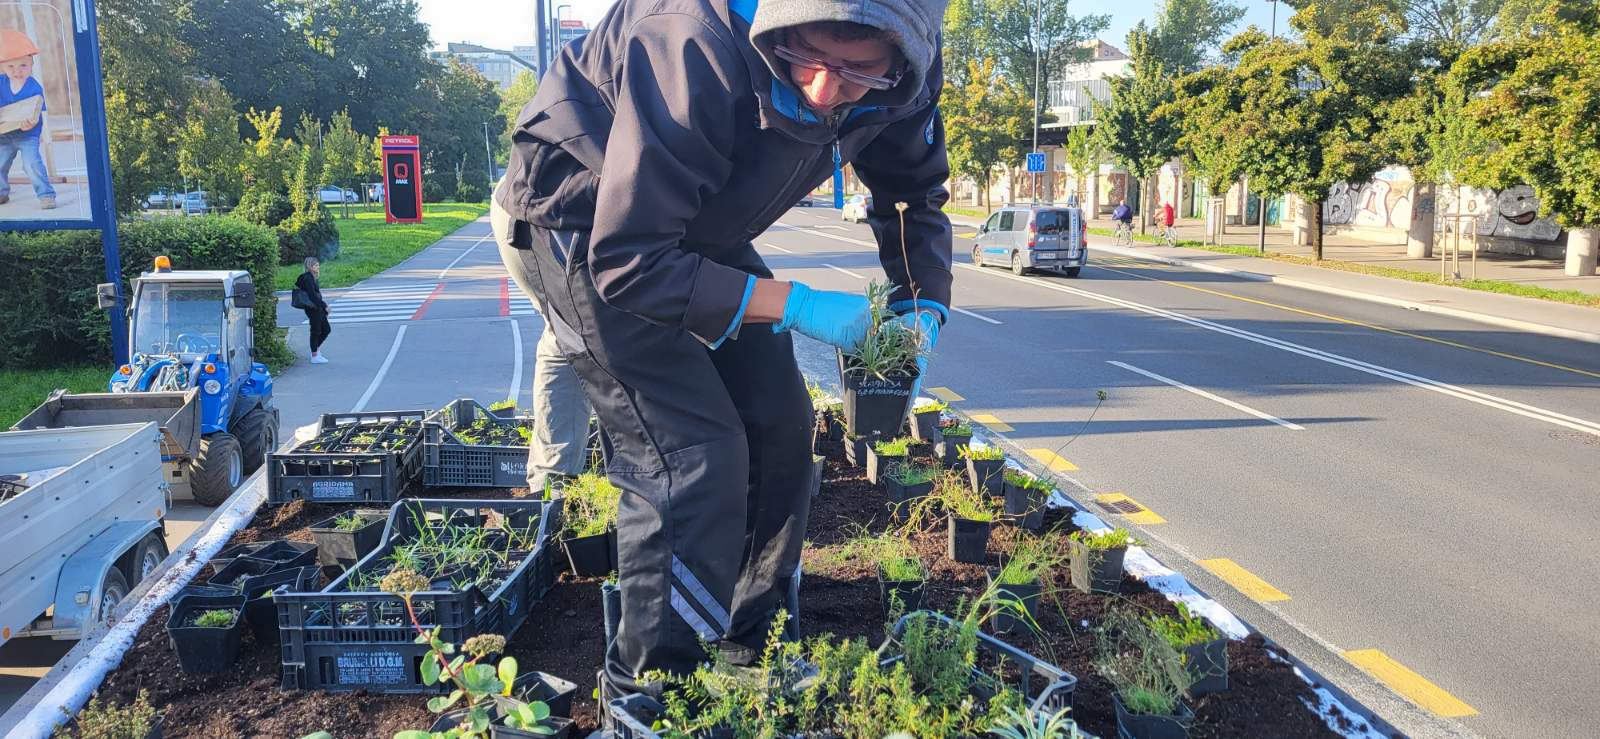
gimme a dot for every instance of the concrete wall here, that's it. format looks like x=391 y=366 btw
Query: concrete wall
x=1505 y=221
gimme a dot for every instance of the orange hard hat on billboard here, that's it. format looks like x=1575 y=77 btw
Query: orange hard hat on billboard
x=15 y=45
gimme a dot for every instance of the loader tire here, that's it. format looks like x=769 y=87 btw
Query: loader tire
x=217 y=470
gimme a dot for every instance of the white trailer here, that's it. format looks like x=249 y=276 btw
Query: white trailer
x=81 y=514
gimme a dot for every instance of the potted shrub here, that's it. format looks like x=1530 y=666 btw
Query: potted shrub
x=907 y=484
x=1096 y=559
x=589 y=524
x=204 y=631
x=969 y=517
x=985 y=469
x=1025 y=499
x=506 y=409
x=1147 y=677
x=884 y=456
x=925 y=418
x=344 y=539
x=1014 y=588
x=878 y=376
x=954 y=435
x=900 y=571
x=817 y=461
x=1204 y=649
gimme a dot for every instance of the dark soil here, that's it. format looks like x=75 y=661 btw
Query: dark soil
x=564 y=636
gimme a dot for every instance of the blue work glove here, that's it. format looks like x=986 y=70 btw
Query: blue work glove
x=836 y=318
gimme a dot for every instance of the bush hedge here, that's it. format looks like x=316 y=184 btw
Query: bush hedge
x=304 y=235
x=47 y=307
x=264 y=208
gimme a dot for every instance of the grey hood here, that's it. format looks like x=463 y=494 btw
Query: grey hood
x=914 y=24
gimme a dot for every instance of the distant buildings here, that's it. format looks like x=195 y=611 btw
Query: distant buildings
x=493 y=64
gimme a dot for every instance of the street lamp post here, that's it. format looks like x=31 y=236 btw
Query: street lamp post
x=1274 y=18
x=555 y=30
x=488 y=154
x=1038 y=6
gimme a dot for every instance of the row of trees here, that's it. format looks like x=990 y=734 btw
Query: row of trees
x=1486 y=93
x=201 y=91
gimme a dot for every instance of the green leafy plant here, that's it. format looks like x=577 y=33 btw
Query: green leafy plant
x=104 y=720
x=955 y=427
x=894 y=447
x=1117 y=538
x=1017 y=725
x=216 y=619
x=504 y=405
x=1186 y=630
x=890 y=349
x=933 y=406
x=892 y=553
x=913 y=474
x=589 y=505
x=953 y=495
x=982 y=453
x=1026 y=481
x=1147 y=673
x=1031 y=559
x=349 y=521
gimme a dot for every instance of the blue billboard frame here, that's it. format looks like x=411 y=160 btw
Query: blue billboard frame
x=97 y=154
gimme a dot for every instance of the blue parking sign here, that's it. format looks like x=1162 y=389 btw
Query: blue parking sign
x=1035 y=162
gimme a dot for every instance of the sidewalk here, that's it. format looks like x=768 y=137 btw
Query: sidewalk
x=1523 y=314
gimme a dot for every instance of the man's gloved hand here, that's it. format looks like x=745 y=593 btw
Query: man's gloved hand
x=836 y=318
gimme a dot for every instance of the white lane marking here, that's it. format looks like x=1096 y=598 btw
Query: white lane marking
x=966 y=312
x=1443 y=388
x=846 y=271
x=516 y=360
x=377 y=379
x=869 y=244
x=779 y=248
x=463 y=255
x=1209 y=396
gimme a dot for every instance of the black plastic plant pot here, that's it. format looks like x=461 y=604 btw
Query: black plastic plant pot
x=968 y=540
x=242 y=569
x=561 y=727
x=906 y=595
x=542 y=686
x=835 y=426
x=591 y=556
x=949 y=448
x=261 y=610
x=879 y=465
x=925 y=425
x=341 y=548
x=1006 y=621
x=874 y=405
x=205 y=649
x=1146 y=726
x=1208 y=663
x=1025 y=506
x=987 y=476
x=1096 y=570
x=902 y=497
x=290 y=553
x=855 y=450
x=817 y=461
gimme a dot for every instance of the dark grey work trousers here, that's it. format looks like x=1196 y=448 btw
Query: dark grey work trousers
x=711 y=449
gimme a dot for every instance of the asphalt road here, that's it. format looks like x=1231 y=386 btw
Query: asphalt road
x=1414 y=484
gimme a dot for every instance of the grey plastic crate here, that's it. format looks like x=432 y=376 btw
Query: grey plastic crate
x=382 y=476
x=450 y=461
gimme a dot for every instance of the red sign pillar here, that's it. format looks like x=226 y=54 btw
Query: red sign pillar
x=402 y=179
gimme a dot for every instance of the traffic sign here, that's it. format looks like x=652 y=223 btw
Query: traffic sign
x=1036 y=162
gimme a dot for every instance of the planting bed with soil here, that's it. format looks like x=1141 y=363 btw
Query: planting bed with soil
x=564 y=634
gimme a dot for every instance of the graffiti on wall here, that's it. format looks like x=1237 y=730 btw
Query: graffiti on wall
x=1387 y=202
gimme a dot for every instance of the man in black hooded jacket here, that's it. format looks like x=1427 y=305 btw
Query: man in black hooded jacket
x=656 y=147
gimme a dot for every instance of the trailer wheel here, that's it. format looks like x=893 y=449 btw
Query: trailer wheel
x=147 y=557
x=112 y=590
x=258 y=436
x=217 y=470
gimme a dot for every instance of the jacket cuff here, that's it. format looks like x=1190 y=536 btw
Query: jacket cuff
x=717 y=303
x=906 y=306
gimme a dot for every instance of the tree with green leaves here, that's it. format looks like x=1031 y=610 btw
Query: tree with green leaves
x=512 y=101
x=967 y=32
x=459 y=102
x=1204 y=104
x=1188 y=33
x=145 y=101
x=209 y=150
x=268 y=158
x=1130 y=127
x=1028 y=34
x=1083 y=153
x=1534 y=97
x=343 y=150
x=987 y=121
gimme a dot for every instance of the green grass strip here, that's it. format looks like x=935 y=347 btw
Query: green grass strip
x=23 y=390
x=368 y=245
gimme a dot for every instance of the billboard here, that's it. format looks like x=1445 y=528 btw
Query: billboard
x=44 y=157
x=402 y=179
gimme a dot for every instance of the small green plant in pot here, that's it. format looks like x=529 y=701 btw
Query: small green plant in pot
x=1147 y=676
x=204 y=631
x=344 y=539
x=879 y=374
x=954 y=435
x=970 y=517
x=907 y=484
x=105 y=720
x=1025 y=499
x=925 y=418
x=985 y=469
x=901 y=574
x=1015 y=587
x=589 y=524
x=504 y=409
x=1204 y=649
x=883 y=456
x=1096 y=559
x=1018 y=725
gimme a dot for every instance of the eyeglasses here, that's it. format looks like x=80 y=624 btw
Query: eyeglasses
x=865 y=80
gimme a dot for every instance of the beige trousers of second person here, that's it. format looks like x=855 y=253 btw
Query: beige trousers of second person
x=560 y=411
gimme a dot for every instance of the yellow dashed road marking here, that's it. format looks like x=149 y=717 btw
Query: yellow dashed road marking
x=1243 y=580
x=993 y=423
x=945 y=394
x=1055 y=463
x=1130 y=509
x=1414 y=687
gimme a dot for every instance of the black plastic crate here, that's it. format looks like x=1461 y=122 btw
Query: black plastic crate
x=448 y=460
x=381 y=476
x=1045 y=687
x=337 y=640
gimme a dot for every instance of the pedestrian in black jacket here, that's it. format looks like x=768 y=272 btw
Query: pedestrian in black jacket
x=656 y=147
x=317 y=312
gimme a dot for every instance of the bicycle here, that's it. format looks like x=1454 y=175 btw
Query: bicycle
x=1169 y=236
x=1124 y=235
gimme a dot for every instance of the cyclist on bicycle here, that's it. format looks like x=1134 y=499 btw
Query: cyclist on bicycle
x=1168 y=217
x=1123 y=214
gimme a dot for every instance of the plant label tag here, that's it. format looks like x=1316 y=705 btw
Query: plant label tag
x=333 y=490
x=373 y=668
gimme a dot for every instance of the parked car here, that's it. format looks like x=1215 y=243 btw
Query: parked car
x=805 y=202
x=194 y=203
x=331 y=194
x=1029 y=237
x=856 y=208
x=162 y=198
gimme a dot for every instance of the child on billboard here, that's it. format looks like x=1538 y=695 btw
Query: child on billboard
x=22 y=108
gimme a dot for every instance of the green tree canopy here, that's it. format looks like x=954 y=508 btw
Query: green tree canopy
x=1130 y=126
x=1188 y=33
x=987 y=121
x=209 y=150
x=512 y=101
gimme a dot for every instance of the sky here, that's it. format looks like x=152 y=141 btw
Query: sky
x=506 y=23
